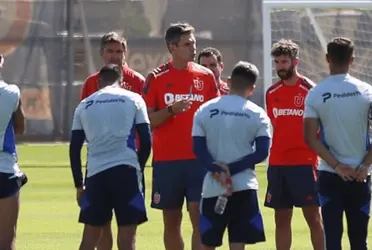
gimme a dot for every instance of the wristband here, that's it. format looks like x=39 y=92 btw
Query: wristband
x=335 y=166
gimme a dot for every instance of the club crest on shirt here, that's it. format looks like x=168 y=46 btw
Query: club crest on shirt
x=126 y=86
x=198 y=84
x=156 y=198
x=299 y=100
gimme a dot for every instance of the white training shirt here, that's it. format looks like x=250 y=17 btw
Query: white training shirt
x=230 y=124
x=342 y=104
x=108 y=118
x=9 y=101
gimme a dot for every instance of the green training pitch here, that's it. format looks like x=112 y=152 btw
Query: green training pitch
x=48 y=217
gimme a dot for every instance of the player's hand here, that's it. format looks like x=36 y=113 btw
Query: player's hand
x=361 y=173
x=346 y=172
x=181 y=106
x=79 y=195
x=224 y=167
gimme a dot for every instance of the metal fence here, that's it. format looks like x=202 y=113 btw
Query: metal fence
x=51 y=46
x=49 y=65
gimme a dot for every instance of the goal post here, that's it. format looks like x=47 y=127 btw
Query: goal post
x=312 y=23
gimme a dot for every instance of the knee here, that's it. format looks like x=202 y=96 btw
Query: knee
x=172 y=221
x=105 y=241
x=283 y=218
x=314 y=219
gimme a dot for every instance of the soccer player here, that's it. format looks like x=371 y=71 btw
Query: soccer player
x=292 y=164
x=113 y=50
x=212 y=59
x=224 y=132
x=173 y=93
x=105 y=119
x=340 y=106
x=11 y=179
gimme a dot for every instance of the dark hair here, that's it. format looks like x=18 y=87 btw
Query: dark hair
x=207 y=52
x=109 y=74
x=175 y=31
x=340 y=50
x=244 y=75
x=113 y=37
x=285 y=48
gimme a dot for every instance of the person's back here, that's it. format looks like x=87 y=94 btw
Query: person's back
x=229 y=139
x=340 y=106
x=109 y=130
x=224 y=132
x=11 y=178
x=9 y=99
x=343 y=103
x=108 y=120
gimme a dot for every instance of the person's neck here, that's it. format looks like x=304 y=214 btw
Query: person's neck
x=179 y=64
x=238 y=93
x=339 y=71
x=292 y=80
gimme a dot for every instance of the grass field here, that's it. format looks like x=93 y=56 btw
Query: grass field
x=48 y=218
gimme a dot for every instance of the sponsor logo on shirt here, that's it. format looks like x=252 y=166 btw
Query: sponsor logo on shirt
x=287 y=112
x=329 y=95
x=170 y=98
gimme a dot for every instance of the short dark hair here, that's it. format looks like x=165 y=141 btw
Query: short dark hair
x=113 y=37
x=109 y=74
x=340 y=50
x=209 y=51
x=285 y=48
x=175 y=31
x=244 y=75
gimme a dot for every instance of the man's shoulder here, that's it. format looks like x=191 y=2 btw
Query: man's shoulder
x=224 y=87
x=274 y=88
x=306 y=83
x=210 y=104
x=161 y=71
x=10 y=89
x=252 y=107
x=92 y=78
x=131 y=74
x=200 y=69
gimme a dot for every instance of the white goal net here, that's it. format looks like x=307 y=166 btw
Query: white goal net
x=312 y=28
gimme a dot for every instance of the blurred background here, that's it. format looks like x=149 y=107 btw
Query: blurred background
x=51 y=46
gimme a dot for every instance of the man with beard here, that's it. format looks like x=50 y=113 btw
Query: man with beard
x=292 y=164
x=113 y=50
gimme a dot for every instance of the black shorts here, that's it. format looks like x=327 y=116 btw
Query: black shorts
x=242 y=218
x=10 y=185
x=116 y=189
x=290 y=186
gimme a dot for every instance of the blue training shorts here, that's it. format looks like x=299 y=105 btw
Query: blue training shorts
x=173 y=181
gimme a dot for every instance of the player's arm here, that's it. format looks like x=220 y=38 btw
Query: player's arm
x=365 y=167
x=18 y=116
x=311 y=128
x=262 y=144
x=76 y=144
x=157 y=117
x=200 y=144
x=144 y=133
